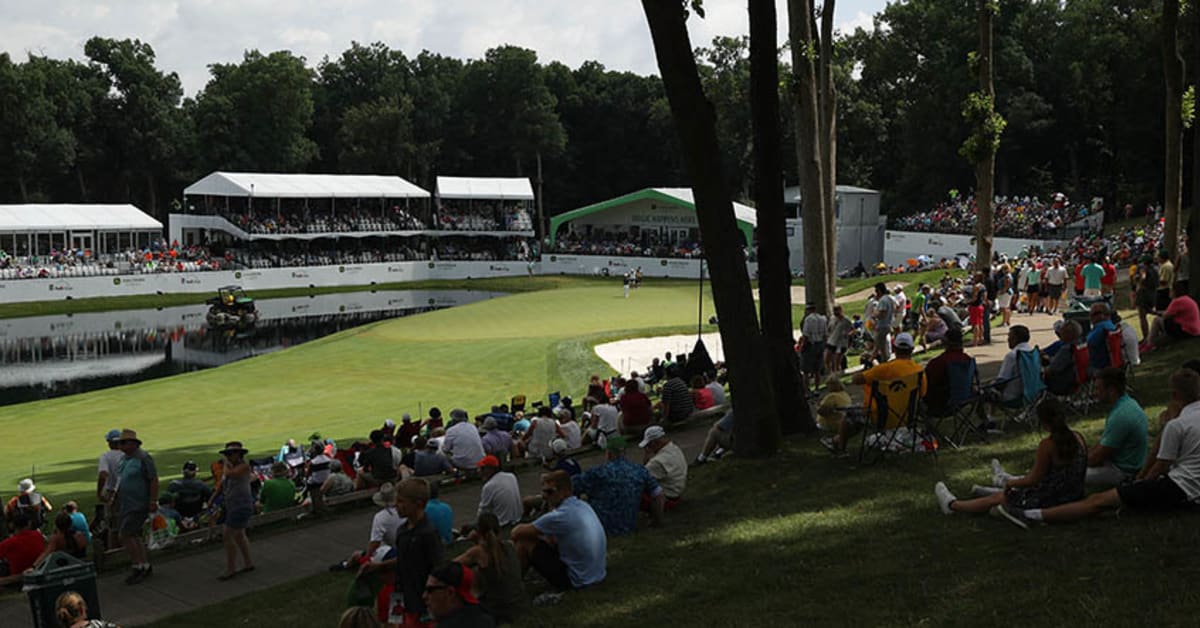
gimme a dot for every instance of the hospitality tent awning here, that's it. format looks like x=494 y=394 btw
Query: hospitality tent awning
x=746 y=217
x=485 y=188
x=55 y=218
x=263 y=185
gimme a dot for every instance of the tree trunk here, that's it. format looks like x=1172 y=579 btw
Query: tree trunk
x=774 y=271
x=1193 y=224
x=808 y=155
x=22 y=188
x=83 y=195
x=828 y=140
x=756 y=429
x=1173 y=69
x=541 y=216
x=985 y=169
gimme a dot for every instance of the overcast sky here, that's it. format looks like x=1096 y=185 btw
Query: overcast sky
x=187 y=35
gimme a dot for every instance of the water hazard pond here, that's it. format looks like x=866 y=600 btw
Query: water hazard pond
x=51 y=356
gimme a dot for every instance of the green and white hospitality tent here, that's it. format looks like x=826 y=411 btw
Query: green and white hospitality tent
x=651 y=208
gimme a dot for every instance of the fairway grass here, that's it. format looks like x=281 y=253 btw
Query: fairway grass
x=473 y=357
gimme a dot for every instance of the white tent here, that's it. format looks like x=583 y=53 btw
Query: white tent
x=743 y=213
x=262 y=185
x=57 y=218
x=517 y=189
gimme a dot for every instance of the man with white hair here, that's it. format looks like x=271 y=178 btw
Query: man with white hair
x=567 y=429
x=666 y=463
x=462 y=444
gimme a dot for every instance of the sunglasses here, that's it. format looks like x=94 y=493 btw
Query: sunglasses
x=548 y=491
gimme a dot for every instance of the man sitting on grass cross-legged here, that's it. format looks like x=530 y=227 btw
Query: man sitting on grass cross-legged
x=1170 y=481
x=567 y=545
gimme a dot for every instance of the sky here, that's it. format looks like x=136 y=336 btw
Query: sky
x=187 y=35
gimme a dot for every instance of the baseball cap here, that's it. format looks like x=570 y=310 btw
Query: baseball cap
x=488 y=461
x=112 y=435
x=190 y=465
x=905 y=341
x=558 y=446
x=653 y=433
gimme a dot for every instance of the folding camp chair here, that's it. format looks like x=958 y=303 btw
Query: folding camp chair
x=518 y=404
x=1029 y=372
x=554 y=398
x=1115 y=342
x=893 y=422
x=962 y=407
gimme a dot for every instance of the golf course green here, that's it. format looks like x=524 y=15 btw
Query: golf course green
x=344 y=385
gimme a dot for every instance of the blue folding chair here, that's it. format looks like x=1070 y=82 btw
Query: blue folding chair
x=1029 y=372
x=962 y=408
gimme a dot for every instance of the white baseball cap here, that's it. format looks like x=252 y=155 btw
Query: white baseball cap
x=653 y=433
x=904 y=341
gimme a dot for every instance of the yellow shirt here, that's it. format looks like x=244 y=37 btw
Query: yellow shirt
x=833 y=408
x=1166 y=275
x=898 y=370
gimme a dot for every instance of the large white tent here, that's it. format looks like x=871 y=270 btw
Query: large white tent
x=489 y=188
x=315 y=186
x=58 y=218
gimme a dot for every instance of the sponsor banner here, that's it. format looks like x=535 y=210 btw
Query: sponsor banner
x=901 y=246
x=615 y=266
x=25 y=290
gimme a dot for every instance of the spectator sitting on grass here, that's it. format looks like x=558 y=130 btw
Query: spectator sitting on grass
x=615 y=489
x=717 y=385
x=278 y=492
x=718 y=440
x=427 y=460
x=190 y=492
x=1057 y=477
x=675 y=399
x=500 y=495
x=449 y=599
x=560 y=462
x=833 y=406
x=1169 y=482
x=667 y=465
x=1180 y=321
x=78 y=521
x=567 y=545
x=384 y=525
x=1097 y=338
x=498 y=570
x=166 y=508
x=636 y=410
x=702 y=396
x=1122 y=449
x=535 y=443
x=604 y=423
x=19 y=551
x=462 y=444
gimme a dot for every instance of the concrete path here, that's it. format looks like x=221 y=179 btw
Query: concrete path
x=183 y=583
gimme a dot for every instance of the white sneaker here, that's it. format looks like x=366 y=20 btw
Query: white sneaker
x=984 y=491
x=998 y=474
x=944 y=497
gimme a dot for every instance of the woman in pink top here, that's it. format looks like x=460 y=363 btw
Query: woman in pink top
x=1180 y=321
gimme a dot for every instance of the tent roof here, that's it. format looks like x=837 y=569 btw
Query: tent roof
x=791 y=193
x=682 y=197
x=485 y=188
x=32 y=218
x=304 y=186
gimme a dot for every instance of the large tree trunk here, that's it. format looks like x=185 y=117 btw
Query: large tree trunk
x=756 y=429
x=828 y=140
x=1173 y=69
x=808 y=154
x=985 y=169
x=1193 y=224
x=774 y=271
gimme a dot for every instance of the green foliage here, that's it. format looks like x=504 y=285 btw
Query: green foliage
x=980 y=113
x=377 y=137
x=1189 y=107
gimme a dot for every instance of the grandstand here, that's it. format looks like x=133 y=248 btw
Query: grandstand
x=52 y=241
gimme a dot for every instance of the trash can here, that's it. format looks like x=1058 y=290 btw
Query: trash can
x=60 y=573
x=1081 y=316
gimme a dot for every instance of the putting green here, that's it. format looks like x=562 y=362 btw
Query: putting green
x=343 y=385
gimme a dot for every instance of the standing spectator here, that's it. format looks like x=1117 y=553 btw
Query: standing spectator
x=1146 y=296
x=615 y=489
x=137 y=498
x=814 y=331
x=567 y=545
x=1033 y=287
x=835 y=345
x=500 y=494
x=190 y=492
x=239 y=508
x=107 y=477
x=462 y=444
x=975 y=308
x=418 y=551
x=666 y=463
x=1056 y=280
x=1093 y=275
x=676 y=400
x=1108 y=284
x=884 y=314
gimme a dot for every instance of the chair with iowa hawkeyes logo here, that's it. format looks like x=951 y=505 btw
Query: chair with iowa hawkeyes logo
x=893 y=421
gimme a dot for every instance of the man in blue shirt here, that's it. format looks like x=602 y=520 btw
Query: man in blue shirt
x=615 y=488
x=439 y=514
x=1097 y=338
x=1122 y=449
x=567 y=545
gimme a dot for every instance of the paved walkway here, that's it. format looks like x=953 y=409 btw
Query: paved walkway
x=188 y=582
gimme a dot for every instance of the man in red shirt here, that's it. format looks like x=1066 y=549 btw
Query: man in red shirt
x=1108 y=283
x=636 y=411
x=19 y=551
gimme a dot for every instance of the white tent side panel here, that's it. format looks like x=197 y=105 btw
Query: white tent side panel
x=35 y=218
x=485 y=188
x=265 y=185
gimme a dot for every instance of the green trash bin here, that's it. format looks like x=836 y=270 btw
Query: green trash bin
x=60 y=573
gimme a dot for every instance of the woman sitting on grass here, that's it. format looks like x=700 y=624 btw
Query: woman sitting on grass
x=1059 y=469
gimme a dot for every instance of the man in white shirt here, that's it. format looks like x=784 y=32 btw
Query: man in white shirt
x=501 y=495
x=1171 y=479
x=1056 y=279
x=604 y=423
x=718 y=391
x=1129 y=341
x=666 y=463
x=462 y=444
x=814 y=329
x=568 y=429
x=1018 y=341
x=106 y=473
x=384 y=526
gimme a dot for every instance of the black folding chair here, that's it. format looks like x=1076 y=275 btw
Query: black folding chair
x=895 y=405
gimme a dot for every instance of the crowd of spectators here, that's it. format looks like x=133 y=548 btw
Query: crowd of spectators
x=159 y=257
x=626 y=244
x=297 y=220
x=1017 y=217
x=323 y=253
x=483 y=216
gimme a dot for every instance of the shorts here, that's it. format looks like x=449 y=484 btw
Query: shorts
x=132 y=522
x=1161 y=493
x=1031 y=290
x=836 y=349
x=1174 y=330
x=549 y=564
x=975 y=315
x=1005 y=301
x=238 y=518
x=1056 y=290
x=810 y=357
x=1162 y=299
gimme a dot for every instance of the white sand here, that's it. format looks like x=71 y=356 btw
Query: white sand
x=637 y=353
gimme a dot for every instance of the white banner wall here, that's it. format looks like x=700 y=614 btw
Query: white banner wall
x=615 y=266
x=901 y=246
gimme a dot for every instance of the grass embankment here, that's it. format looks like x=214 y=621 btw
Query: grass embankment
x=805 y=539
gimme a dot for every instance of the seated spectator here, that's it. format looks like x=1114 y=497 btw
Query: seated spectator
x=380 y=463
x=166 y=508
x=496 y=442
x=604 y=423
x=1169 y=482
x=832 y=408
x=1180 y=321
x=407 y=430
x=19 y=551
x=567 y=545
x=1057 y=477
x=78 y=520
x=568 y=430
x=675 y=399
x=1122 y=449
x=384 y=525
x=338 y=483
x=498 y=567
x=900 y=367
x=1052 y=349
x=534 y=504
x=595 y=392
x=290 y=448
x=428 y=461
x=615 y=489
x=1060 y=376
x=501 y=494
x=717 y=385
x=448 y=597
x=1007 y=388
x=1097 y=338
x=462 y=444
x=535 y=442
x=433 y=422
x=28 y=502
x=667 y=465
x=719 y=439
x=440 y=514
x=65 y=538
x=937 y=374
x=279 y=492
x=520 y=424
x=1130 y=351
x=702 y=397
x=636 y=410
x=71 y=611
x=190 y=492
